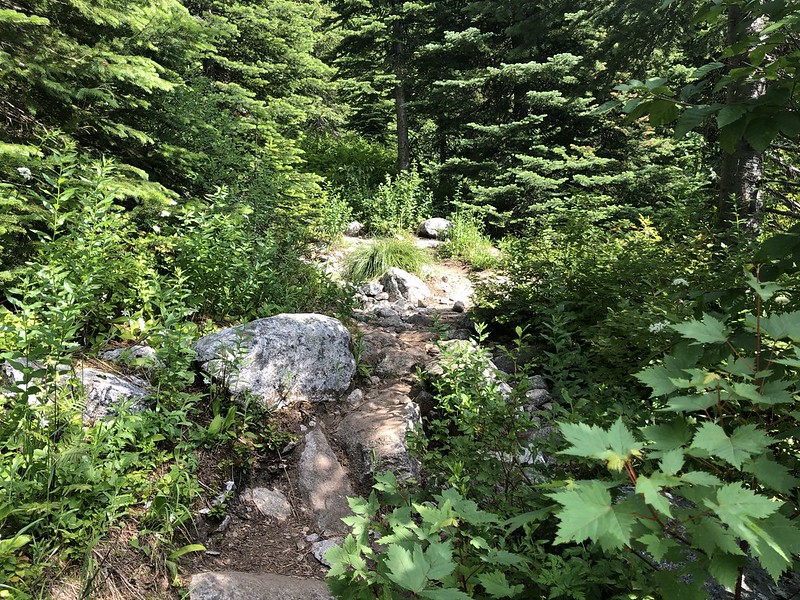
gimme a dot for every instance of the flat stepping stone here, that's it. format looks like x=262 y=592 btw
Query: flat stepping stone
x=231 y=585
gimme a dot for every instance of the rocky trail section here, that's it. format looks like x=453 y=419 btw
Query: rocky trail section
x=270 y=544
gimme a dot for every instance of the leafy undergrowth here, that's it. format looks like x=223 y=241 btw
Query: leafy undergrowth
x=697 y=483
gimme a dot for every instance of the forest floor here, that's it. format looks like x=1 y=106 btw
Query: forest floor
x=237 y=537
x=245 y=541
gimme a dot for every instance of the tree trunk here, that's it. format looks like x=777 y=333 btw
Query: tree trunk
x=403 y=151
x=741 y=171
x=400 y=58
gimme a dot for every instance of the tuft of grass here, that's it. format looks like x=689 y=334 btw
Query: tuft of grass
x=466 y=241
x=373 y=260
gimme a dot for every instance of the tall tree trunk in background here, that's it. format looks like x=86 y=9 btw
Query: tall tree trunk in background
x=403 y=151
x=741 y=171
x=400 y=59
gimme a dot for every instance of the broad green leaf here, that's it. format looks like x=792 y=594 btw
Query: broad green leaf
x=764 y=289
x=770 y=473
x=730 y=113
x=614 y=446
x=690 y=119
x=667 y=436
x=760 y=132
x=497 y=586
x=672 y=462
x=777 y=247
x=504 y=558
x=735 y=449
x=661 y=112
x=701 y=478
x=701 y=72
x=658 y=378
x=689 y=403
x=725 y=568
x=440 y=560
x=785 y=534
x=707 y=331
x=407 y=570
x=658 y=546
x=466 y=509
x=738 y=507
x=589 y=514
x=711 y=537
x=650 y=489
x=789 y=124
x=589 y=441
x=783 y=325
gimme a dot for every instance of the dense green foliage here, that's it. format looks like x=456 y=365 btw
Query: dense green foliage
x=166 y=165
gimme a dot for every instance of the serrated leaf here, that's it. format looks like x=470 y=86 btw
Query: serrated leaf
x=707 y=331
x=783 y=325
x=672 y=462
x=497 y=586
x=614 y=446
x=770 y=473
x=765 y=289
x=701 y=478
x=689 y=403
x=735 y=449
x=650 y=489
x=739 y=508
x=504 y=558
x=711 y=537
x=588 y=514
x=730 y=113
x=725 y=568
x=785 y=534
x=690 y=119
x=405 y=569
x=440 y=560
x=667 y=436
x=658 y=546
x=658 y=378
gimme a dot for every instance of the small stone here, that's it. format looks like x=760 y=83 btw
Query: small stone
x=270 y=503
x=313 y=537
x=374 y=380
x=355 y=397
x=353 y=228
x=318 y=549
x=458 y=307
x=382 y=296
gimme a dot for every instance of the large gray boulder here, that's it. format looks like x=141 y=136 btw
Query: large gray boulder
x=104 y=393
x=435 y=228
x=98 y=393
x=402 y=285
x=281 y=359
x=230 y=585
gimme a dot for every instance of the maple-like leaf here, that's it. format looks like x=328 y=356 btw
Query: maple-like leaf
x=734 y=449
x=589 y=514
x=707 y=331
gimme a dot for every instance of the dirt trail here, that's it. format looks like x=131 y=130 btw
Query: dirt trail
x=395 y=338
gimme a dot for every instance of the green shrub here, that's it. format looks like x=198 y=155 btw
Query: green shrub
x=466 y=241
x=398 y=205
x=374 y=259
